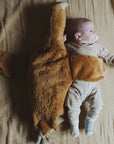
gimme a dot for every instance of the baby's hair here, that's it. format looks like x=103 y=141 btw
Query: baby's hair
x=72 y=26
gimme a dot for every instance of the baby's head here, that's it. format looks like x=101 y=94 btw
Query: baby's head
x=81 y=30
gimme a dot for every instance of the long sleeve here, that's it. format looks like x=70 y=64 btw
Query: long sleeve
x=106 y=55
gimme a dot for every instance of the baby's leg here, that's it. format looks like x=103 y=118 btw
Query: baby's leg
x=96 y=103
x=73 y=102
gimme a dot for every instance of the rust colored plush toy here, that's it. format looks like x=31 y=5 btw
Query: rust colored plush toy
x=49 y=74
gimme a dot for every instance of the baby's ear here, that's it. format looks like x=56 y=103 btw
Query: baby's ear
x=77 y=36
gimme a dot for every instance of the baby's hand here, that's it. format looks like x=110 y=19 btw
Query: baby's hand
x=64 y=38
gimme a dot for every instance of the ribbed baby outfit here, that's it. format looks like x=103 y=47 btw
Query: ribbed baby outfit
x=82 y=90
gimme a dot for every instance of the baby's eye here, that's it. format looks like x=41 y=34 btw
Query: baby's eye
x=90 y=30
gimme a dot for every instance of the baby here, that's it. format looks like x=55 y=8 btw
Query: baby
x=87 y=69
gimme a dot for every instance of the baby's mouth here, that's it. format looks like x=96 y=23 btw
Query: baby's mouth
x=96 y=37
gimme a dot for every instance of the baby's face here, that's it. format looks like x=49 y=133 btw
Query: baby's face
x=87 y=33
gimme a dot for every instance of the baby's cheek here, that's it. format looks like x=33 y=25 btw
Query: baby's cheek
x=88 y=37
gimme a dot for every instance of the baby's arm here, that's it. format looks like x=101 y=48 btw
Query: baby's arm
x=106 y=55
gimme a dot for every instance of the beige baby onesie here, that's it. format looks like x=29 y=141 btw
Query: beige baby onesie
x=86 y=85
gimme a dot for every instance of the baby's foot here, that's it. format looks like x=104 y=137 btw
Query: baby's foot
x=64 y=5
x=74 y=130
x=89 y=126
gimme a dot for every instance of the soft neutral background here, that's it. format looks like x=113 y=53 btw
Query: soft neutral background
x=22 y=28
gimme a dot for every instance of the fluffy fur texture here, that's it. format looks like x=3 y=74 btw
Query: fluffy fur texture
x=86 y=68
x=50 y=75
